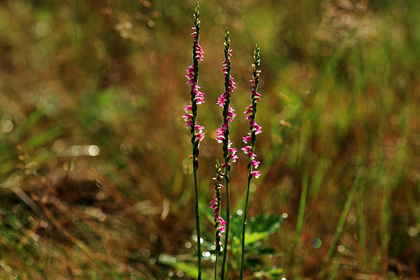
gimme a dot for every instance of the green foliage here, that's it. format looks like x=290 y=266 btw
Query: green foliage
x=258 y=229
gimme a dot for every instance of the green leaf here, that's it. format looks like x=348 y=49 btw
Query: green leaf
x=190 y=270
x=265 y=223
x=258 y=228
x=40 y=139
x=255 y=236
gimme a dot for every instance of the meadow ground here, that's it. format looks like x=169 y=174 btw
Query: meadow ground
x=95 y=172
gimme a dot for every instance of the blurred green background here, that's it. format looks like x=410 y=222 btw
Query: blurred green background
x=95 y=175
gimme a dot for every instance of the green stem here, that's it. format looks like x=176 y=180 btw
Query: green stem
x=197 y=219
x=244 y=224
x=227 y=226
x=215 y=269
x=215 y=265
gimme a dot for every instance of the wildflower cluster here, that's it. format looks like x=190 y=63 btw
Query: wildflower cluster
x=222 y=136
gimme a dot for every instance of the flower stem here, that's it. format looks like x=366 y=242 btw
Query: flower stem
x=197 y=219
x=244 y=223
x=228 y=152
x=196 y=130
x=227 y=225
x=215 y=266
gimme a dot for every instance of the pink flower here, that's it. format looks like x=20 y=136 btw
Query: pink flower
x=230 y=115
x=190 y=75
x=256 y=127
x=188 y=119
x=200 y=53
x=199 y=132
x=222 y=225
x=222 y=99
x=256 y=173
x=247 y=138
x=220 y=133
x=200 y=136
x=251 y=155
x=233 y=157
x=199 y=96
x=255 y=163
x=226 y=164
x=246 y=149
